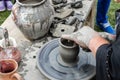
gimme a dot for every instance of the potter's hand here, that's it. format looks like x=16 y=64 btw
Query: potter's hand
x=117 y=1
x=82 y=36
x=88 y=38
x=107 y=36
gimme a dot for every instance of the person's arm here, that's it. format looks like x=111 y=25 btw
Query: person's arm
x=95 y=43
x=108 y=61
x=103 y=62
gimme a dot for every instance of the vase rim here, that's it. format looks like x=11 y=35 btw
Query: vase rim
x=69 y=47
x=15 y=64
x=32 y=4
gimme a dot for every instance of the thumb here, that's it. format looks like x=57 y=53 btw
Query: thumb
x=69 y=37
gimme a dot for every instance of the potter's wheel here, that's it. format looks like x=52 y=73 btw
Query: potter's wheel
x=48 y=63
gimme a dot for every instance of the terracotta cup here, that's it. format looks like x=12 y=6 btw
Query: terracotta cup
x=8 y=70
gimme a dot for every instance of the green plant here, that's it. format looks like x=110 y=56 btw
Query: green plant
x=3 y=16
x=111 y=13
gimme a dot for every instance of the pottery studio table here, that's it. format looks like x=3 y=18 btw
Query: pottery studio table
x=29 y=49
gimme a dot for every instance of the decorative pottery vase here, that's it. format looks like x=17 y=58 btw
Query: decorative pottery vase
x=8 y=70
x=33 y=17
x=68 y=50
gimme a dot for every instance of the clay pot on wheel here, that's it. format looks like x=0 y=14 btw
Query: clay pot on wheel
x=68 y=50
x=33 y=17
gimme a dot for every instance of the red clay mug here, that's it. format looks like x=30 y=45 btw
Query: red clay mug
x=8 y=70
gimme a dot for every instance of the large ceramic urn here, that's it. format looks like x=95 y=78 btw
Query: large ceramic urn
x=33 y=17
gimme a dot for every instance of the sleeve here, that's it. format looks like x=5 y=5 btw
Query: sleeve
x=101 y=62
x=108 y=61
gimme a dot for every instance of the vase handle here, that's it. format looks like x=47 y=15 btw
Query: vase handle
x=15 y=7
x=17 y=76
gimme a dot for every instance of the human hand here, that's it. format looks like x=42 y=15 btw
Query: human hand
x=107 y=36
x=83 y=36
x=88 y=38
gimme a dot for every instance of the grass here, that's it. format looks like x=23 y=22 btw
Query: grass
x=3 y=16
x=114 y=6
x=111 y=13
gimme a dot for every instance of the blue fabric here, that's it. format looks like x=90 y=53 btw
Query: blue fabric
x=102 y=9
x=107 y=28
x=101 y=16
